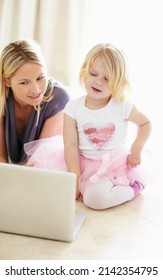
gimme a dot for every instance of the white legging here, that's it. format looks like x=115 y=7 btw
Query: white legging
x=104 y=195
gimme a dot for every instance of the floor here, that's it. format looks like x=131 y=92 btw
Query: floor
x=132 y=231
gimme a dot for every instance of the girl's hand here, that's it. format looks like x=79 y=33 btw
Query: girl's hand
x=77 y=194
x=133 y=160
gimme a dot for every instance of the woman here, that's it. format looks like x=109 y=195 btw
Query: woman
x=31 y=103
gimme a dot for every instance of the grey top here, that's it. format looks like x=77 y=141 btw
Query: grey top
x=15 y=143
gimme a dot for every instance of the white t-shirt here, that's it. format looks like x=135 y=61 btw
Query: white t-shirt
x=100 y=130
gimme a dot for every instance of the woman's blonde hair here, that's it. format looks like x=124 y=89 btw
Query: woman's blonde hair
x=13 y=56
x=114 y=61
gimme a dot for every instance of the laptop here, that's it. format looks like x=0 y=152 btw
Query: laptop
x=38 y=202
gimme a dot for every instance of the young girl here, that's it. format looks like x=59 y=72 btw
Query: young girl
x=95 y=129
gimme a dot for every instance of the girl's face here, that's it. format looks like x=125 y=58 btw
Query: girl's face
x=96 y=83
x=29 y=84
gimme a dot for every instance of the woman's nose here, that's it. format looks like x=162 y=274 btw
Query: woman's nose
x=35 y=88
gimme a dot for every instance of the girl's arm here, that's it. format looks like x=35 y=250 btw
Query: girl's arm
x=3 y=150
x=71 y=147
x=143 y=132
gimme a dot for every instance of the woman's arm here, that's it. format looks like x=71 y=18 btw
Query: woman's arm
x=143 y=132
x=54 y=122
x=71 y=147
x=3 y=150
x=53 y=126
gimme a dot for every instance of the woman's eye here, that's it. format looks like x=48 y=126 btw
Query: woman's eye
x=24 y=83
x=40 y=78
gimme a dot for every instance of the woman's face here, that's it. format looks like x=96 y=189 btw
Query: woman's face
x=29 y=84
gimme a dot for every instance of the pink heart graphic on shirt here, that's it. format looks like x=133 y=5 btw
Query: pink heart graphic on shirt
x=99 y=136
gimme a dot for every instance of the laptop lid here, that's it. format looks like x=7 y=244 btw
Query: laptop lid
x=38 y=202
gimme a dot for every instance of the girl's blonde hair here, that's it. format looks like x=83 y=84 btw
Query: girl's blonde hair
x=13 y=56
x=114 y=61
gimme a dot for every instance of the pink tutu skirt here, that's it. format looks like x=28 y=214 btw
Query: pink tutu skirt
x=46 y=153
x=112 y=166
x=49 y=153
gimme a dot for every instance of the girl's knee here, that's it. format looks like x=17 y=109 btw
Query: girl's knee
x=104 y=196
x=96 y=196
